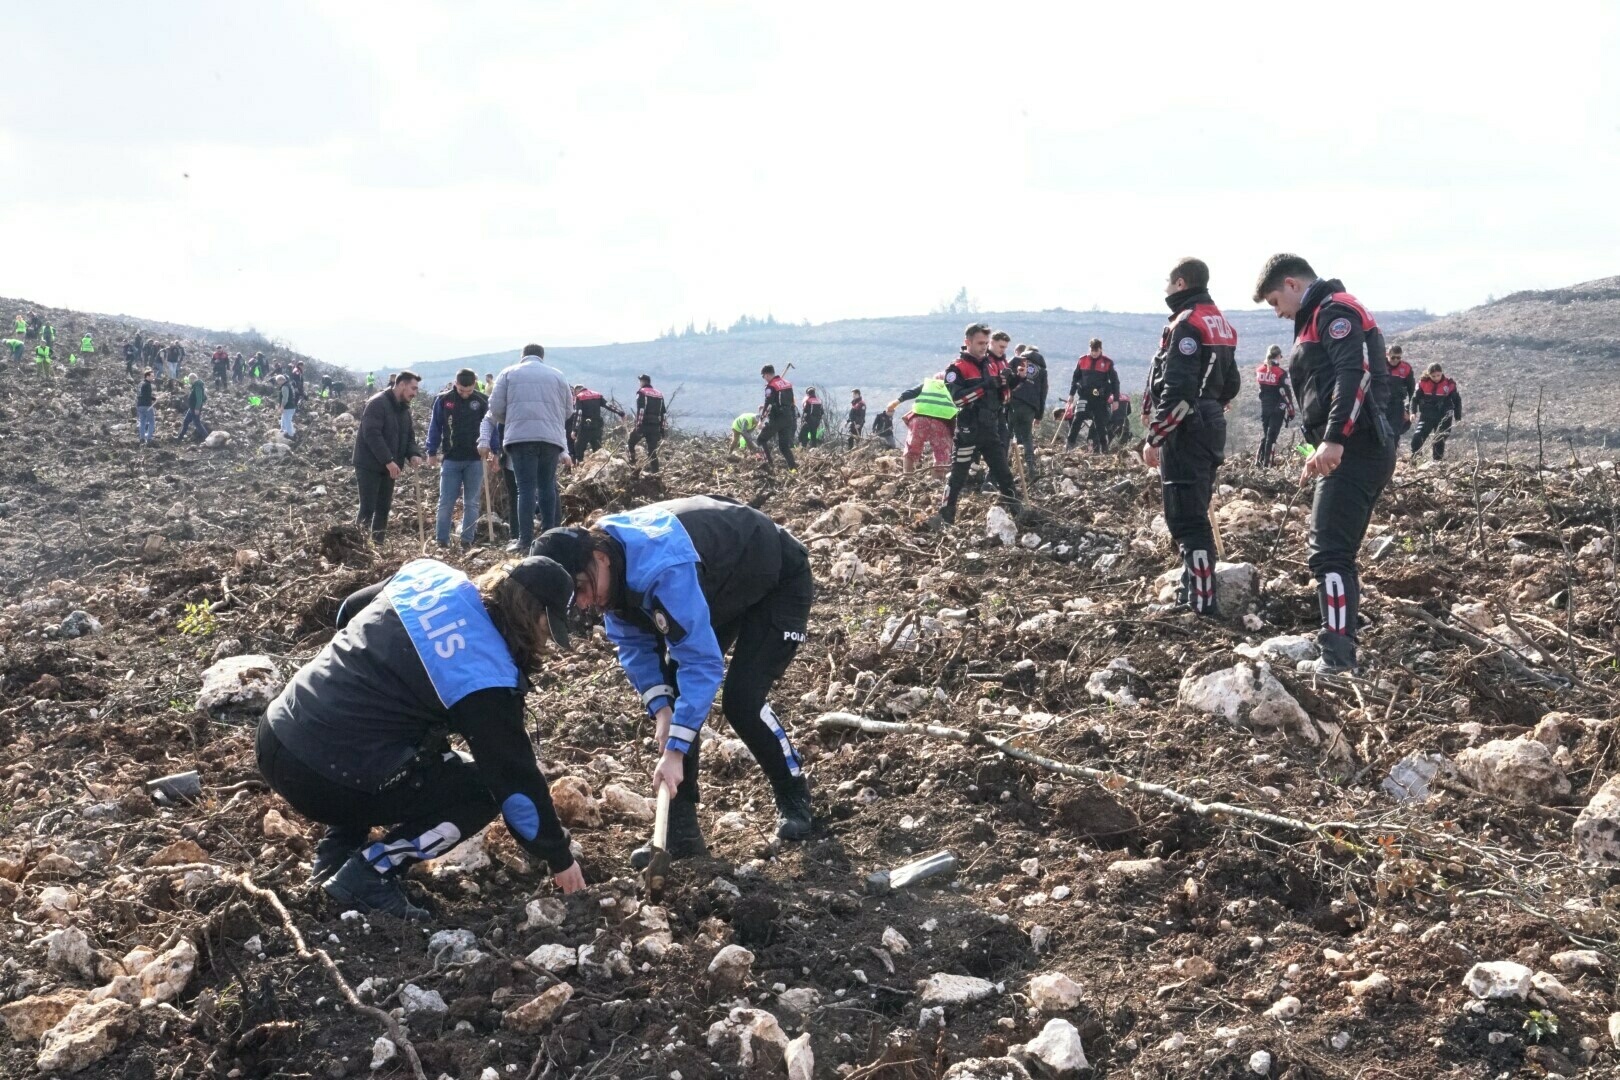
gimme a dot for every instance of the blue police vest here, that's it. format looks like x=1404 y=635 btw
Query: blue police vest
x=457 y=643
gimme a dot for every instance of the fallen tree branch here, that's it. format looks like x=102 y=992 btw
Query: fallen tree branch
x=1511 y=658
x=1107 y=778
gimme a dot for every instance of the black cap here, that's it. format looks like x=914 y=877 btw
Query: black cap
x=569 y=548
x=553 y=586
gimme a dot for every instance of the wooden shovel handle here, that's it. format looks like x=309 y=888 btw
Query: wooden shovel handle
x=661 y=820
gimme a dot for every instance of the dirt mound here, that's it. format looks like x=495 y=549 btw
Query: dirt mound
x=1173 y=872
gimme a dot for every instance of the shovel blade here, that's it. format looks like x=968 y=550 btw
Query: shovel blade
x=653 y=877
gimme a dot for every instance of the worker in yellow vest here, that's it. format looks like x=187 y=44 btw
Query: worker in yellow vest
x=932 y=423
x=87 y=345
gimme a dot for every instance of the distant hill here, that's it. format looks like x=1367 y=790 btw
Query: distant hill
x=714 y=377
x=1562 y=342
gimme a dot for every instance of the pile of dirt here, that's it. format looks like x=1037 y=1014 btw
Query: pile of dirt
x=1172 y=938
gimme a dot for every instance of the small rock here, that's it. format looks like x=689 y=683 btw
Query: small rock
x=1578 y=961
x=731 y=965
x=420 y=1004
x=1498 y=979
x=1053 y=991
x=1597 y=829
x=1003 y=1068
x=1260 y=1063
x=1248 y=694
x=239 y=684
x=79 y=624
x=1285 y=1008
x=626 y=805
x=534 y=1014
x=554 y=958
x=454 y=946
x=943 y=989
x=1410 y=777
x=753 y=1033
x=575 y=805
x=382 y=1052
x=801 y=1000
x=999 y=525
x=895 y=941
x=276 y=827
x=1518 y=770
x=1137 y=869
x=1553 y=990
x=89 y=1032
x=30 y=1018
x=801 y=1059
x=1374 y=986
x=1057 y=1050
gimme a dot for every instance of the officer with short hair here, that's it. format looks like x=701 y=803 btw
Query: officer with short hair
x=1276 y=404
x=1439 y=406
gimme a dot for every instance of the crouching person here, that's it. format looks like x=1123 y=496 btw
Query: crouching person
x=359 y=737
x=680 y=584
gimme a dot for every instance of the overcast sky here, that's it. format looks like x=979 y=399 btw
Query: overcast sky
x=396 y=182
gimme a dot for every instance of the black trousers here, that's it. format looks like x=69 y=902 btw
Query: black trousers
x=762 y=642
x=376 y=499
x=782 y=435
x=1097 y=416
x=589 y=437
x=1188 y=461
x=973 y=442
x=652 y=435
x=854 y=436
x=1436 y=424
x=219 y=380
x=1272 y=417
x=1339 y=515
x=438 y=802
x=1026 y=419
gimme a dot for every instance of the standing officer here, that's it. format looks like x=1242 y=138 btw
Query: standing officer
x=1028 y=401
x=779 y=416
x=651 y=419
x=679 y=584
x=813 y=423
x=1401 y=389
x=1439 y=405
x=1276 y=404
x=1339 y=370
x=588 y=407
x=978 y=395
x=1093 y=391
x=1186 y=421
x=855 y=421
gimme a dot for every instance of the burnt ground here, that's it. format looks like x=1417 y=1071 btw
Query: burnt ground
x=1178 y=962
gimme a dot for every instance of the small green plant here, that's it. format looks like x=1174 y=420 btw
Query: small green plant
x=1540 y=1024
x=1408 y=544
x=198 y=621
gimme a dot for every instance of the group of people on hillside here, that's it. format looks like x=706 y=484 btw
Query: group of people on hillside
x=33 y=327
x=286 y=377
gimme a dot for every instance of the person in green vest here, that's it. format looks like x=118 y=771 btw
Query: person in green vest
x=196 y=397
x=22 y=325
x=932 y=423
x=87 y=344
x=73 y=359
x=742 y=432
x=16 y=347
x=371 y=380
x=42 y=359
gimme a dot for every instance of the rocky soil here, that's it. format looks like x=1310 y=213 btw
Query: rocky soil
x=1392 y=884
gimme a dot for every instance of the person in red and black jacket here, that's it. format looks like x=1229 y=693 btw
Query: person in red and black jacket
x=1403 y=384
x=980 y=396
x=778 y=416
x=1028 y=401
x=1439 y=405
x=1341 y=375
x=1276 y=403
x=855 y=422
x=1191 y=379
x=588 y=408
x=651 y=420
x=1092 y=392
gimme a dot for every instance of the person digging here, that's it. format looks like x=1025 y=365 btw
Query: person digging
x=360 y=735
x=679 y=584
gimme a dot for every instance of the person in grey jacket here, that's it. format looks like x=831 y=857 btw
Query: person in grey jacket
x=531 y=401
x=384 y=442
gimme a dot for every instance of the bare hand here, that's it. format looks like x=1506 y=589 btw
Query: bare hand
x=1323 y=460
x=416 y=461
x=393 y=471
x=570 y=880
x=1150 y=455
x=670 y=772
x=433 y=460
x=665 y=715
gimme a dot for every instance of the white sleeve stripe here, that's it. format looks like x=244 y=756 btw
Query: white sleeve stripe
x=661 y=690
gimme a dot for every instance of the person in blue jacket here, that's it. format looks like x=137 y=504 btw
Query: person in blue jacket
x=360 y=735
x=680 y=584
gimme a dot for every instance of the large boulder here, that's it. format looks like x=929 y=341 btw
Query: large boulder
x=1597 y=829
x=1236 y=587
x=239 y=684
x=1248 y=695
x=1518 y=770
x=1056 y=1051
x=88 y=1033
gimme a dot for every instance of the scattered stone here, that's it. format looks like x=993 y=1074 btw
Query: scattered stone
x=554 y=958
x=1597 y=829
x=943 y=989
x=1285 y=1008
x=1549 y=987
x=1260 y=1063
x=382 y=1052
x=895 y=941
x=1137 y=869
x=1410 y=777
x=1518 y=770
x=1248 y=694
x=1374 y=987
x=626 y=805
x=755 y=1034
x=1003 y=1068
x=1578 y=961
x=455 y=946
x=1498 y=979
x=1118 y=683
x=800 y=1000
x=731 y=965
x=1057 y=1050
x=217 y=440
x=79 y=624
x=239 y=684
x=168 y=974
x=999 y=525
x=574 y=803
x=1287 y=649
x=276 y=827
x=536 y=1013
x=89 y=1032
x=30 y=1018
x=801 y=1059
x=420 y=1004
x=1053 y=991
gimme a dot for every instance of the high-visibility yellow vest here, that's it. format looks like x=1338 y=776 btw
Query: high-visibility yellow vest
x=86 y=345
x=22 y=325
x=934 y=401
x=745 y=422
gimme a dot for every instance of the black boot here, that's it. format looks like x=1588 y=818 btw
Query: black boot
x=793 y=808
x=334 y=850
x=358 y=885
x=685 y=836
x=1338 y=655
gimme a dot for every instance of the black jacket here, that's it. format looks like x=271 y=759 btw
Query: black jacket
x=649 y=408
x=1197 y=360
x=1339 y=369
x=1095 y=378
x=1032 y=389
x=146 y=396
x=365 y=708
x=386 y=433
x=453 y=427
x=977 y=392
